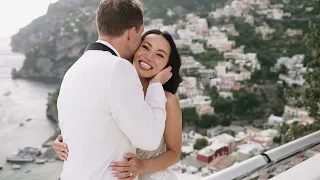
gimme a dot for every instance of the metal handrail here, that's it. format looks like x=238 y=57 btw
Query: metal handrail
x=293 y=147
x=249 y=166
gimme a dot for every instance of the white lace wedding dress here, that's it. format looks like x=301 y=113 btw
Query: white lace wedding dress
x=166 y=174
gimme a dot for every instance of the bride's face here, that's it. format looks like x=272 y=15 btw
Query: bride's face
x=152 y=56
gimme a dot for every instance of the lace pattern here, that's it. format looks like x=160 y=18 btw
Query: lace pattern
x=160 y=175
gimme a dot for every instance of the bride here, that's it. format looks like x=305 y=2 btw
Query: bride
x=159 y=49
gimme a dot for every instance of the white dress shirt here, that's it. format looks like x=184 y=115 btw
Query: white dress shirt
x=103 y=114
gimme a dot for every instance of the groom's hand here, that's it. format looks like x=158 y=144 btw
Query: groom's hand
x=163 y=76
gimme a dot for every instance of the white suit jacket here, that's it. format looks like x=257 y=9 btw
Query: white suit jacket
x=103 y=114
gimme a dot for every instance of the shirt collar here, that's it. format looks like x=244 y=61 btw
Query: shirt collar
x=109 y=45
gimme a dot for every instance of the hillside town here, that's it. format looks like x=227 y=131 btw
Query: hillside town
x=219 y=148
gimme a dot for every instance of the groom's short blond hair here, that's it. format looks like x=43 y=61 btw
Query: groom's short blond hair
x=114 y=17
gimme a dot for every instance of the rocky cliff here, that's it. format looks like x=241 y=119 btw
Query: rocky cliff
x=52 y=111
x=54 y=41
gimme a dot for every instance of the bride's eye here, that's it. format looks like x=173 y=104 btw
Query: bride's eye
x=160 y=55
x=145 y=47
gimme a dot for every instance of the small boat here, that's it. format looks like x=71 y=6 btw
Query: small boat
x=16 y=166
x=29 y=119
x=27 y=171
x=51 y=161
x=40 y=161
x=20 y=159
x=27 y=154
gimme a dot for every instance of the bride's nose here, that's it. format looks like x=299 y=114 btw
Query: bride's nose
x=150 y=56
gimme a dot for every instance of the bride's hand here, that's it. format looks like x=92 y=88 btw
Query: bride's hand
x=127 y=170
x=60 y=148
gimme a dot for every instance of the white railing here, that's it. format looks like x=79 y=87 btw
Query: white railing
x=252 y=165
x=282 y=152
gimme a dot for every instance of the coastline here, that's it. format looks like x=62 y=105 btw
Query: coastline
x=24 y=122
x=16 y=74
x=48 y=161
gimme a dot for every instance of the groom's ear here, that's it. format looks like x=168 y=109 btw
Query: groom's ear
x=131 y=33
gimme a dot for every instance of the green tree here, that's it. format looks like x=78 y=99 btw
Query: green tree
x=208 y=121
x=295 y=131
x=209 y=58
x=283 y=69
x=213 y=92
x=183 y=155
x=224 y=106
x=283 y=129
x=311 y=98
x=226 y=122
x=189 y=116
x=246 y=102
x=277 y=139
x=277 y=109
x=207 y=89
x=293 y=96
x=200 y=144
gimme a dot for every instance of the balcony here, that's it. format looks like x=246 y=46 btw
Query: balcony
x=299 y=159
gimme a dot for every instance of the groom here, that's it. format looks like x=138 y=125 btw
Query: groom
x=102 y=110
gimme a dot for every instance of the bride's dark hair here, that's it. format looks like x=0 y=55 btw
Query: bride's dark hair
x=174 y=61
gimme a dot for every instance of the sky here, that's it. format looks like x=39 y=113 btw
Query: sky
x=15 y=14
